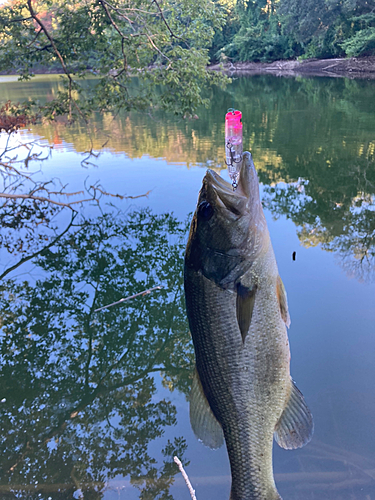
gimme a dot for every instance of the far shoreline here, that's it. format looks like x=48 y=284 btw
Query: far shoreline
x=353 y=67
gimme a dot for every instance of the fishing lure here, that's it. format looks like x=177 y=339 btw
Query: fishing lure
x=233 y=144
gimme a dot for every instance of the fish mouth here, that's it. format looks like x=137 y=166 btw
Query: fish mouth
x=221 y=193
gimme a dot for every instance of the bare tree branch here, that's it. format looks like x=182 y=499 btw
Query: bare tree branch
x=60 y=57
x=145 y=292
x=32 y=256
x=19 y=20
x=164 y=20
x=34 y=39
x=121 y=196
x=43 y=198
x=103 y=4
x=186 y=477
x=118 y=12
x=57 y=52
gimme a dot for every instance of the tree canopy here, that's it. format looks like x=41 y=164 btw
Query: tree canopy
x=267 y=30
x=164 y=44
x=147 y=54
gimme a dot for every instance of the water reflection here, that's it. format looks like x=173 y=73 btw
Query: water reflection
x=337 y=213
x=83 y=401
x=314 y=135
x=78 y=394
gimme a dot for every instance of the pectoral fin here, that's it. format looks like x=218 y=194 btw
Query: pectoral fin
x=245 y=307
x=296 y=426
x=283 y=302
x=203 y=422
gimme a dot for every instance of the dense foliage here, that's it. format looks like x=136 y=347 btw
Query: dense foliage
x=267 y=30
x=164 y=44
x=167 y=45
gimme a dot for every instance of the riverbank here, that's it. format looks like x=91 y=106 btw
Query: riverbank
x=353 y=67
x=361 y=67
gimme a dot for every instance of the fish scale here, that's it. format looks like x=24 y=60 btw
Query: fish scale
x=237 y=311
x=223 y=359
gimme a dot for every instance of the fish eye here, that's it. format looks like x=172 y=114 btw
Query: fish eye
x=205 y=211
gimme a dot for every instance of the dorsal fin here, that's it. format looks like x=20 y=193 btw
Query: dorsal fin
x=283 y=302
x=295 y=426
x=203 y=422
x=245 y=306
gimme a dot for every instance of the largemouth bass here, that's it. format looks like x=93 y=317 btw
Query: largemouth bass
x=238 y=316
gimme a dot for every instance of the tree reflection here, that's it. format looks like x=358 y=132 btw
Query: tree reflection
x=77 y=387
x=316 y=135
x=314 y=139
x=337 y=212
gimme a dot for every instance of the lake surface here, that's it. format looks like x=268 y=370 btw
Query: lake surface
x=94 y=404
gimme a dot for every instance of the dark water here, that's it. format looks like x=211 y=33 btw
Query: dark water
x=94 y=404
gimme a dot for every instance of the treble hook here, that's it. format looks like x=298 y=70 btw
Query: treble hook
x=232 y=161
x=231 y=153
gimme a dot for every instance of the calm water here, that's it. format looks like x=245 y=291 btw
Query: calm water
x=94 y=404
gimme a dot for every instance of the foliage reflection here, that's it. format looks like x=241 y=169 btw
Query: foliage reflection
x=315 y=135
x=78 y=404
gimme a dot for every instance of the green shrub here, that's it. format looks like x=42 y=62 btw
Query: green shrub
x=253 y=44
x=360 y=44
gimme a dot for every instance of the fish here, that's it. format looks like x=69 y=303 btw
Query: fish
x=242 y=392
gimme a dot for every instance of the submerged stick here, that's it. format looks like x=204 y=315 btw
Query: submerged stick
x=145 y=292
x=185 y=476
